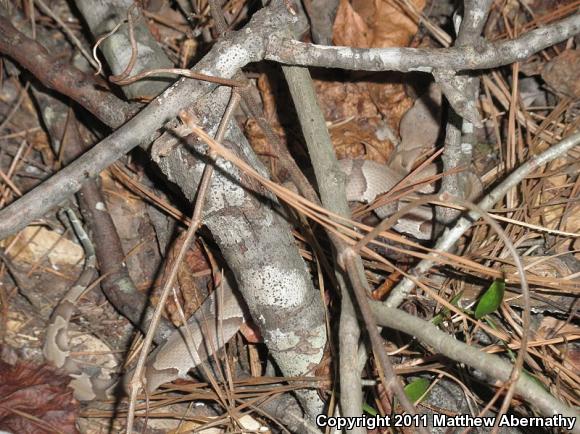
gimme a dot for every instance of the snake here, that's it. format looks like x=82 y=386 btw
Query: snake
x=220 y=317
x=88 y=382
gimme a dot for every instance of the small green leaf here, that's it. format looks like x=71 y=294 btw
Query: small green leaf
x=491 y=299
x=370 y=410
x=444 y=313
x=416 y=389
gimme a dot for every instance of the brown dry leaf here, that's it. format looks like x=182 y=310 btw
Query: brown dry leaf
x=377 y=24
x=572 y=221
x=392 y=26
x=268 y=95
x=355 y=120
x=33 y=399
x=35 y=243
x=552 y=192
x=374 y=23
x=342 y=101
x=563 y=73
x=391 y=100
x=191 y=287
x=349 y=27
x=356 y=139
x=258 y=139
x=550 y=325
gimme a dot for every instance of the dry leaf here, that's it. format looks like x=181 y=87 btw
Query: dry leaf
x=34 y=243
x=392 y=26
x=374 y=23
x=563 y=73
x=35 y=400
x=349 y=28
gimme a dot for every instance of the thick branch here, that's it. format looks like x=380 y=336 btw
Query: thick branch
x=55 y=74
x=462 y=93
x=489 y=55
x=331 y=183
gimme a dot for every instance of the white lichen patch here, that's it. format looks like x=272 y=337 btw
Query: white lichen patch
x=283 y=288
x=268 y=219
x=224 y=193
x=390 y=56
x=478 y=14
x=235 y=57
x=467 y=127
x=168 y=93
x=231 y=232
x=301 y=361
x=466 y=147
x=282 y=341
x=100 y=206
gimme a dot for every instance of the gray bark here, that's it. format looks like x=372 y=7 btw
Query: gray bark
x=102 y=16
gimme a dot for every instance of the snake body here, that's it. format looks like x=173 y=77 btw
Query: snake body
x=216 y=323
x=88 y=383
x=365 y=180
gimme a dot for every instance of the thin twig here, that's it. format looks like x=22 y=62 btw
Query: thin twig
x=131 y=64
x=493 y=366
x=184 y=73
x=489 y=55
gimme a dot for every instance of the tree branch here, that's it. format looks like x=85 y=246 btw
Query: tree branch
x=55 y=74
x=489 y=55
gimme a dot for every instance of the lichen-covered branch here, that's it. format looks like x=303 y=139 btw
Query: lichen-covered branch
x=488 y=55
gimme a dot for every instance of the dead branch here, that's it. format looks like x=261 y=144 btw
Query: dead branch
x=489 y=55
x=58 y=75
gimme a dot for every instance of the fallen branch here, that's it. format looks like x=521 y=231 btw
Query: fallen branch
x=488 y=55
x=57 y=75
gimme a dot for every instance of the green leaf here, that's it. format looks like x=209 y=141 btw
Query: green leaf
x=444 y=313
x=370 y=410
x=491 y=299
x=416 y=389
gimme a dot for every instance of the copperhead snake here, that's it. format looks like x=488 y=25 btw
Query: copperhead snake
x=365 y=181
x=218 y=322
